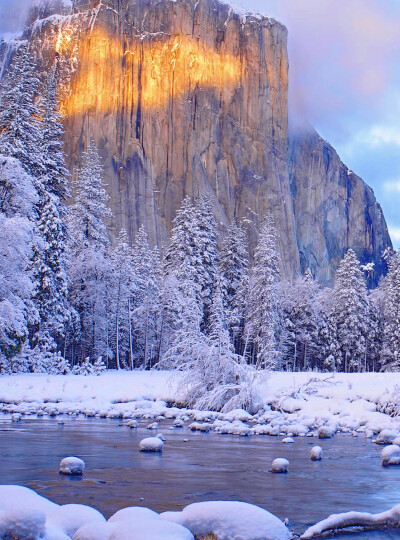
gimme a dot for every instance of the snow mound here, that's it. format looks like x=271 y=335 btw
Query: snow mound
x=133 y=513
x=391 y=455
x=72 y=465
x=326 y=432
x=288 y=440
x=134 y=523
x=316 y=453
x=71 y=517
x=279 y=465
x=386 y=436
x=151 y=444
x=230 y=520
x=12 y=497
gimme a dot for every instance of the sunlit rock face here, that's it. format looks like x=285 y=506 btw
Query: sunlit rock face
x=185 y=95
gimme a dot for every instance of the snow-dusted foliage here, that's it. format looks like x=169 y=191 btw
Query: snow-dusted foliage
x=234 y=270
x=194 y=246
x=17 y=312
x=390 y=356
x=300 y=322
x=20 y=125
x=49 y=257
x=121 y=301
x=89 y=259
x=262 y=308
x=350 y=314
x=146 y=304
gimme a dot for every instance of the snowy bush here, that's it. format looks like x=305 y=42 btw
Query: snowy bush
x=89 y=368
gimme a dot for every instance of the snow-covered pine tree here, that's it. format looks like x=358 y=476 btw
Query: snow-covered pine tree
x=18 y=197
x=207 y=253
x=49 y=258
x=262 y=309
x=390 y=355
x=301 y=318
x=350 y=313
x=121 y=294
x=89 y=259
x=146 y=308
x=234 y=271
x=20 y=114
x=194 y=245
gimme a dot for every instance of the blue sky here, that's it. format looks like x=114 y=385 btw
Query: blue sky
x=344 y=79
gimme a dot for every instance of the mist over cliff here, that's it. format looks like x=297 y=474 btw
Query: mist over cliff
x=182 y=96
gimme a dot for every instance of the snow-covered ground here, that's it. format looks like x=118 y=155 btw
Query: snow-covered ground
x=295 y=404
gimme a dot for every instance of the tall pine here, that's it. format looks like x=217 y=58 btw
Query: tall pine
x=262 y=309
x=89 y=259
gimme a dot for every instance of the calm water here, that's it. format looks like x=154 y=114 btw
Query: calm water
x=207 y=467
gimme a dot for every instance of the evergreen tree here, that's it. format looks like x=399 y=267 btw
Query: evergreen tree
x=390 y=355
x=147 y=300
x=350 y=313
x=262 y=310
x=49 y=259
x=89 y=259
x=18 y=197
x=20 y=114
x=121 y=297
x=194 y=245
x=301 y=321
x=234 y=270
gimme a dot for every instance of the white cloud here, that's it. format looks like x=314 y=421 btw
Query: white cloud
x=382 y=135
x=392 y=186
x=395 y=235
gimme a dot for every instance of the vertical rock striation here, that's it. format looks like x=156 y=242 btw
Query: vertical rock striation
x=186 y=95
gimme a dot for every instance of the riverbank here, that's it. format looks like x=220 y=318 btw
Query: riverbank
x=291 y=403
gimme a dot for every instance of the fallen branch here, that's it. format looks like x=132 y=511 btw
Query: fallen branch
x=390 y=518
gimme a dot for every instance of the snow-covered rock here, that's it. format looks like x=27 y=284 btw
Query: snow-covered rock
x=151 y=444
x=386 y=436
x=153 y=425
x=179 y=423
x=230 y=520
x=72 y=465
x=316 y=453
x=200 y=426
x=297 y=430
x=288 y=440
x=326 y=432
x=279 y=465
x=70 y=517
x=391 y=455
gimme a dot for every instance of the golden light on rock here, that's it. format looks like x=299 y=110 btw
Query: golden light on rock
x=110 y=77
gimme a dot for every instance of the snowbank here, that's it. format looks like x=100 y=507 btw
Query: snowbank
x=295 y=404
x=227 y=520
x=26 y=515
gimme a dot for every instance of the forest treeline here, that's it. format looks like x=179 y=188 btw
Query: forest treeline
x=70 y=299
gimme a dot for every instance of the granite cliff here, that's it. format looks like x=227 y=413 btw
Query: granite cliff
x=183 y=95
